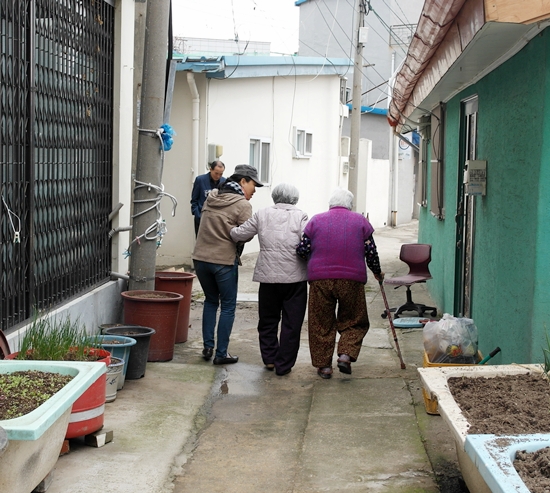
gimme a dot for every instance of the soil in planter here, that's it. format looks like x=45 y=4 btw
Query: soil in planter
x=23 y=391
x=151 y=295
x=534 y=469
x=510 y=405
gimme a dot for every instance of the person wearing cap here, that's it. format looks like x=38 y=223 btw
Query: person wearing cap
x=201 y=188
x=216 y=258
x=282 y=296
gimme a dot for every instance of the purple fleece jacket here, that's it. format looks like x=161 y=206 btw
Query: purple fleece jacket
x=338 y=245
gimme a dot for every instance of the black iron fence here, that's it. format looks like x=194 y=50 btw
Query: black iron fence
x=56 y=86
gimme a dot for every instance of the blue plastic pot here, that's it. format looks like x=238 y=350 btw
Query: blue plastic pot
x=119 y=347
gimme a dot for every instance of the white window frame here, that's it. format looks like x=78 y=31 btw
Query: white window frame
x=303 y=143
x=258 y=159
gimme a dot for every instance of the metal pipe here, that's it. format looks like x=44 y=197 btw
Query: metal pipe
x=195 y=127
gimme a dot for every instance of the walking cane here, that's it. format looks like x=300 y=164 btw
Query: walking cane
x=391 y=325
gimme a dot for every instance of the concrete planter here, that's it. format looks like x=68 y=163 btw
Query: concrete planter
x=37 y=437
x=479 y=470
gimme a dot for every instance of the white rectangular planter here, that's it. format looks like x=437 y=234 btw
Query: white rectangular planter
x=35 y=439
x=434 y=381
x=493 y=456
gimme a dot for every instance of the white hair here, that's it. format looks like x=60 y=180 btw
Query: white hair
x=341 y=198
x=285 y=193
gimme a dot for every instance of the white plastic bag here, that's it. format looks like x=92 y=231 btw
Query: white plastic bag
x=451 y=340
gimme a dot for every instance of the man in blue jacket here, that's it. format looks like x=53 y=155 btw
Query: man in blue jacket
x=201 y=188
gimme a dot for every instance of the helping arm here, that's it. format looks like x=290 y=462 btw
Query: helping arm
x=246 y=231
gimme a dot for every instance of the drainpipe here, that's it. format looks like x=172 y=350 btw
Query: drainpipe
x=393 y=163
x=195 y=128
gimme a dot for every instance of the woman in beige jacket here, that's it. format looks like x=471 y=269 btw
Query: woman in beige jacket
x=216 y=258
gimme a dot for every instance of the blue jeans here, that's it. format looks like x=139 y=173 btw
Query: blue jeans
x=219 y=283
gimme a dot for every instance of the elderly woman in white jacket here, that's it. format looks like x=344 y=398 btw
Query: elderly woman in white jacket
x=282 y=276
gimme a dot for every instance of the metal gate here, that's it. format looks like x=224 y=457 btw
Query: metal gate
x=56 y=87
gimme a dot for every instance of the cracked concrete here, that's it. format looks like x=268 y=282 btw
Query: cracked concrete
x=191 y=426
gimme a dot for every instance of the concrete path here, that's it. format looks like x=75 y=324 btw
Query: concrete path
x=189 y=426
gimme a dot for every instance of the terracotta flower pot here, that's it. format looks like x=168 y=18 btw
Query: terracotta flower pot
x=182 y=283
x=158 y=310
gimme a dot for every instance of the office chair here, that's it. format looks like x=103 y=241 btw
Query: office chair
x=417 y=256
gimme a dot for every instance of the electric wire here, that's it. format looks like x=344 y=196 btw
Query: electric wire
x=351 y=41
x=395 y=13
x=405 y=15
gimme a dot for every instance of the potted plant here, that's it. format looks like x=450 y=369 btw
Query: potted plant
x=119 y=347
x=52 y=338
x=37 y=436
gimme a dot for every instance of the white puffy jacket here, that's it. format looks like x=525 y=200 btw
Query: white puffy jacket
x=279 y=229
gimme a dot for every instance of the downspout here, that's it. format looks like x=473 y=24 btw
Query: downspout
x=393 y=160
x=195 y=127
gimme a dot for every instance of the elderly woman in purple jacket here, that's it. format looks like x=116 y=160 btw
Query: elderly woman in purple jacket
x=282 y=276
x=336 y=244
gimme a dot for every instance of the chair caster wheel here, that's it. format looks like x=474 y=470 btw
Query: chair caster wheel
x=384 y=315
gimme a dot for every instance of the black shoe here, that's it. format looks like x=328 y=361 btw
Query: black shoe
x=227 y=360
x=207 y=353
x=284 y=372
x=344 y=364
x=325 y=372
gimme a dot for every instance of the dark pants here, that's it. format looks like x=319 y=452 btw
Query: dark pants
x=197 y=224
x=273 y=300
x=219 y=283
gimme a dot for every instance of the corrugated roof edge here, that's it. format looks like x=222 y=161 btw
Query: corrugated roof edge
x=263 y=66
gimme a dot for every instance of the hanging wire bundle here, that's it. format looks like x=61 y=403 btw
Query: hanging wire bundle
x=157 y=229
x=12 y=215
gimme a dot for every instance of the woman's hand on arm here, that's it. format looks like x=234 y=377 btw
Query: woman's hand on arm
x=246 y=231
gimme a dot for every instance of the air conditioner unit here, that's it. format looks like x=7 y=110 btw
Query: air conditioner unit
x=344 y=165
x=344 y=91
x=345 y=143
x=214 y=152
x=344 y=110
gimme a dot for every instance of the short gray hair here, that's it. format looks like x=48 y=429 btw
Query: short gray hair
x=341 y=198
x=285 y=193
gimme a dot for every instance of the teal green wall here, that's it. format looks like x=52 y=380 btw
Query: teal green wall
x=511 y=282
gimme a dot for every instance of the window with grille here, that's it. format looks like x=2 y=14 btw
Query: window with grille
x=56 y=88
x=260 y=152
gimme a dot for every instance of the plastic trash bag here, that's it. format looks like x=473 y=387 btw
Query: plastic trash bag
x=451 y=340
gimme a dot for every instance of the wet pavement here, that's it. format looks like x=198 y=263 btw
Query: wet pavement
x=191 y=426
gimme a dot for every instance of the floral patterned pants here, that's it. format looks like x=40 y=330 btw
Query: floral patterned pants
x=336 y=306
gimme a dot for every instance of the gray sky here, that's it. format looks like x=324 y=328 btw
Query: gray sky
x=251 y=20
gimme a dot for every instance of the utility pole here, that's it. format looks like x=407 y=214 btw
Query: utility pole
x=360 y=33
x=149 y=157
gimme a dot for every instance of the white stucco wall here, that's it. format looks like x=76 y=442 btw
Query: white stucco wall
x=232 y=112
x=405 y=200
